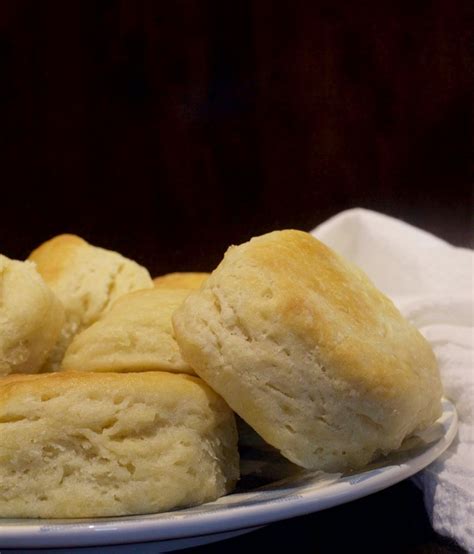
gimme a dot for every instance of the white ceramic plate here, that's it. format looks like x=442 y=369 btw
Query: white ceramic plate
x=237 y=513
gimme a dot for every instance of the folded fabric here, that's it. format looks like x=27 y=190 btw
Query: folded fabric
x=431 y=283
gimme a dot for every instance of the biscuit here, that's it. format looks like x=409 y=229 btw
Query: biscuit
x=87 y=280
x=309 y=353
x=186 y=280
x=31 y=318
x=76 y=445
x=136 y=334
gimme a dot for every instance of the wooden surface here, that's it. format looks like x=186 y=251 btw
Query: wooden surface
x=168 y=130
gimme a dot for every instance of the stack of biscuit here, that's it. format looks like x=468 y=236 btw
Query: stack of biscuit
x=130 y=428
x=129 y=385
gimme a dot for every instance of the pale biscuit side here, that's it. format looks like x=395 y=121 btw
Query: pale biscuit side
x=93 y=445
x=31 y=318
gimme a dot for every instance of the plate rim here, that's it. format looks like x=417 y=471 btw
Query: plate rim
x=181 y=524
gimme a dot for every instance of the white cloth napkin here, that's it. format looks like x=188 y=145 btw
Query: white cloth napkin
x=431 y=283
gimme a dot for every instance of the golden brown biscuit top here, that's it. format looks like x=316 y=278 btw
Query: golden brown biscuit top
x=50 y=385
x=87 y=279
x=136 y=334
x=306 y=289
x=55 y=255
x=184 y=280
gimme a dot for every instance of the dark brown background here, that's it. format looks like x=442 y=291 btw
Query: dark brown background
x=137 y=123
x=167 y=130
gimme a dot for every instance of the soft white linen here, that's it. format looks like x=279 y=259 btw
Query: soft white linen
x=431 y=283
